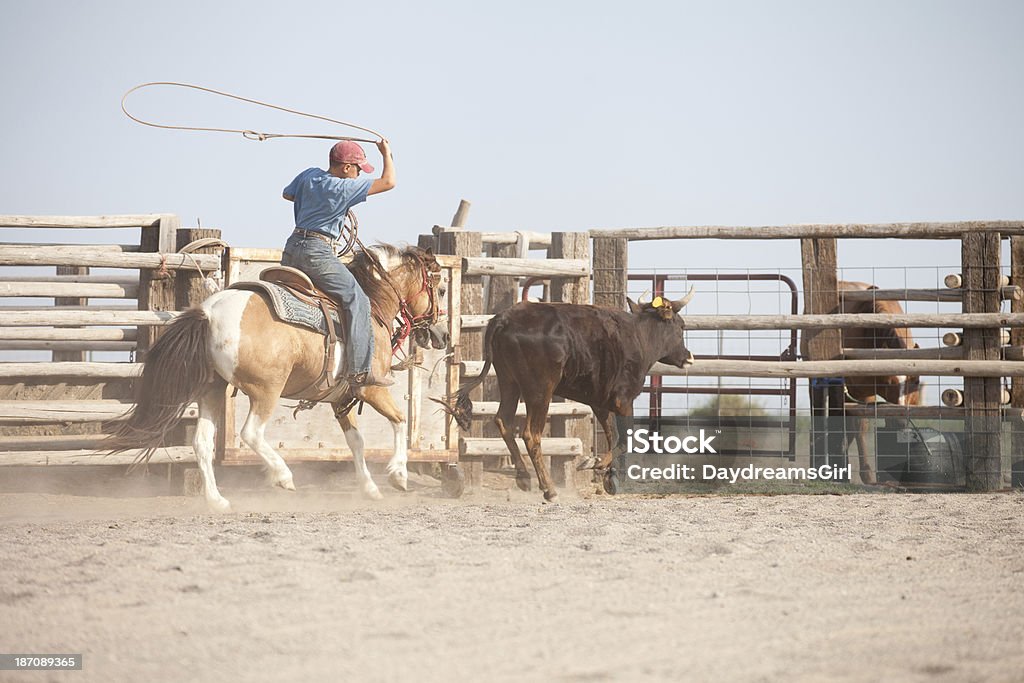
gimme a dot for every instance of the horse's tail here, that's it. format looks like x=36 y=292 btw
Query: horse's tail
x=177 y=368
x=461 y=408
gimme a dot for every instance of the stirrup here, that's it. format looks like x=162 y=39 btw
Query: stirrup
x=368 y=379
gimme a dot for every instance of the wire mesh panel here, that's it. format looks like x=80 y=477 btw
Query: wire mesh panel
x=899 y=429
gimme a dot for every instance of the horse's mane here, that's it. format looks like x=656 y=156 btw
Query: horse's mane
x=384 y=302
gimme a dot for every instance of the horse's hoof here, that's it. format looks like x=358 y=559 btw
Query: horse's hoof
x=373 y=493
x=551 y=496
x=399 y=480
x=219 y=505
x=283 y=479
x=524 y=483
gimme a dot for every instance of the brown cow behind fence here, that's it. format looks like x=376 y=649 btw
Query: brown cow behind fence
x=895 y=389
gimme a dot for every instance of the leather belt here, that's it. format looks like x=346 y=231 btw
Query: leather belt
x=316 y=234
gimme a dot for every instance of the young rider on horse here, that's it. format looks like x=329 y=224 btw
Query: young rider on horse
x=322 y=200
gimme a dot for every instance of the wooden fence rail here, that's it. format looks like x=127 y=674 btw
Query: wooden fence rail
x=805 y=369
x=148 y=220
x=925 y=231
x=75 y=256
x=823 y=322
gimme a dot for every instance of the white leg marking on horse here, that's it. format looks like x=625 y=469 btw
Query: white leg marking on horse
x=398 y=465
x=252 y=434
x=355 y=443
x=203 y=443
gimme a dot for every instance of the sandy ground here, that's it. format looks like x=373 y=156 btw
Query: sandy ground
x=319 y=585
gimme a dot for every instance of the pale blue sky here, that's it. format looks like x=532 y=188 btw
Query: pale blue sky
x=546 y=115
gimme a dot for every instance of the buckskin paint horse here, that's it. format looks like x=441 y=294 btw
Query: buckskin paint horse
x=234 y=338
x=901 y=390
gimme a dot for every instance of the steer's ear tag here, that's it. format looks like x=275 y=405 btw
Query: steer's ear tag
x=658 y=302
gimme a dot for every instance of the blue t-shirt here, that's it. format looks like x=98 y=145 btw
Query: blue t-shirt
x=322 y=200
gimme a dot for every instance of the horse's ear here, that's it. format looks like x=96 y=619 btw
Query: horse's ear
x=430 y=251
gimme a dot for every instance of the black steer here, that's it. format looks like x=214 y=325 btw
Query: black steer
x=597 y=356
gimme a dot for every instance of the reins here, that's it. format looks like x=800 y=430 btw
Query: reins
x=247 y=134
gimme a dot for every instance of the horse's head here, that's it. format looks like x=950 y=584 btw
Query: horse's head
x=425 y=305
x=416 y=276
x=424 y=288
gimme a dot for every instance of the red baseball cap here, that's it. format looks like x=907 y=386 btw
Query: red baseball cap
x=348 y=152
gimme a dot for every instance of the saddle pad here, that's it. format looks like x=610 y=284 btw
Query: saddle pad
x=290 y=309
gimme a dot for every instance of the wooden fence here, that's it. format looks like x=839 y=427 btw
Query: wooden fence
x=50 y=411
x=981 y=358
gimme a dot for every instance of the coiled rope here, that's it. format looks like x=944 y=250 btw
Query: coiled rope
x=247 y=134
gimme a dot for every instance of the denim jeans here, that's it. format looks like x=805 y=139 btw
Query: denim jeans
x=316 y=259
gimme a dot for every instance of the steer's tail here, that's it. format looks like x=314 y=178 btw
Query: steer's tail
x=177 y=367
x=460 y=407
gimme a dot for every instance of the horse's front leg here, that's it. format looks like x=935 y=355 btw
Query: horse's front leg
x=355 y=444
x=398 y=466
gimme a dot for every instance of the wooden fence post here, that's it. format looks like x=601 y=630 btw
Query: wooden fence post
x=1017 y=341
x=189 y=287
x=70 y=356
x=611 y=260
x=156 y=286
x=570 y=245
x=821 y=296
x=980 y=259
x=468 y=244
x=502 y=293
x=611 y=285
x=461 y=215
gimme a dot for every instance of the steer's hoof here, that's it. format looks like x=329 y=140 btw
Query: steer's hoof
x=587 y=463
x=610 y=481
x=551 y=496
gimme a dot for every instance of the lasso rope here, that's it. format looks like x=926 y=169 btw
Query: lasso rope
x=247 y=134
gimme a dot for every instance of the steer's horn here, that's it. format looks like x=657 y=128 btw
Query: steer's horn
x=640 y=299
x=678 y=305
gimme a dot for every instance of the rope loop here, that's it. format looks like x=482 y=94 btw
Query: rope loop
x=247 y=134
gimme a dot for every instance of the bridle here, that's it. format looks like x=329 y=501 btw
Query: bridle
x=406 y=320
